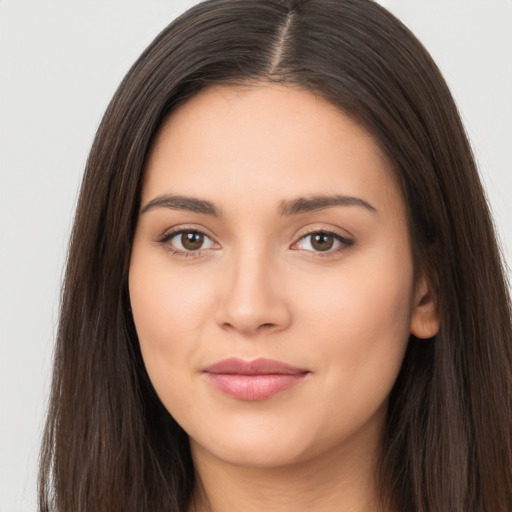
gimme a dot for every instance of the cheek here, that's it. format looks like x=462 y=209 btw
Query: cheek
x=166 y=298
x=169 y=310
x=166 y=305
x=360 y=319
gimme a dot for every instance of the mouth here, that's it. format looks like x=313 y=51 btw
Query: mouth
x=253 y=380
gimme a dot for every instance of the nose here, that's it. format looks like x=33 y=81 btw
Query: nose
x=253 y=296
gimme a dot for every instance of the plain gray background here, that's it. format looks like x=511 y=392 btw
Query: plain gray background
x=60 y=64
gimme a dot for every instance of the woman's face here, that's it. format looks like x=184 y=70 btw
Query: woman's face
x=271 y=277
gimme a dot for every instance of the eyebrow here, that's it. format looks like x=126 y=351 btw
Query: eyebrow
x=311 y=204
x=286 y=208
x=190 y=204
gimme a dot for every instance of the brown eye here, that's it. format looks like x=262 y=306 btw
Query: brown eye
x=192 y=240
x=322 y=241
x=188 y=241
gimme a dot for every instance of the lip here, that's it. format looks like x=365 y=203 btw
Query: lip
x=253 y=380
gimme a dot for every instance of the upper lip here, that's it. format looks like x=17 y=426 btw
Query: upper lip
x=261 y=366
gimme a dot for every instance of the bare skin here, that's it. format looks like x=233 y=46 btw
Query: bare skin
x=271 y=228
x=304 y=486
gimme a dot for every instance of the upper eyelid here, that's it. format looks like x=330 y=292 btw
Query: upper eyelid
x=325 y=232
x=340 y=238
x=337 y=232
x=176 y=230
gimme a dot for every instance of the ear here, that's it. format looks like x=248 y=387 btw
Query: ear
x=425 y=321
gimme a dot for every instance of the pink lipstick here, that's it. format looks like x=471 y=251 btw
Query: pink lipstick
x=253 y=380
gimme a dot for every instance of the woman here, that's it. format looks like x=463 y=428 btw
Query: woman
x=283 y=289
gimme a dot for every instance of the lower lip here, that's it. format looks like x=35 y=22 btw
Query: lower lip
x=253 y=387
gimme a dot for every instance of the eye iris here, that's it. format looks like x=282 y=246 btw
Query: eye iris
x=192 y=241
x=322 y=241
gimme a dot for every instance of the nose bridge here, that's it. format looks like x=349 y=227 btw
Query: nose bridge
x=253 y=297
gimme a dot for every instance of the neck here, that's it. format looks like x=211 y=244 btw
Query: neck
x=333 y=481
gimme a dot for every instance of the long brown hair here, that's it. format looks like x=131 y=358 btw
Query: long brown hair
x=109 y=443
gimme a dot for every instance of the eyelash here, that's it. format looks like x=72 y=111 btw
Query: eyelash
x=343 y=242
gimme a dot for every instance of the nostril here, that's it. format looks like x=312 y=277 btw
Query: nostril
x=261 y=327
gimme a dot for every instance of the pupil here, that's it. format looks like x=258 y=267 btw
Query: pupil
x=322 y=241
x=192 y=241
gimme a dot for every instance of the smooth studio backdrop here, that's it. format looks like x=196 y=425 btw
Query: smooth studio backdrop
x=60 y=63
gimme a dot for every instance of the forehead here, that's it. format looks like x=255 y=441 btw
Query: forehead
x=264 y=142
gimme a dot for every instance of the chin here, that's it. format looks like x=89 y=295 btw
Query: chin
x=260 y=445
x=267 y=454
